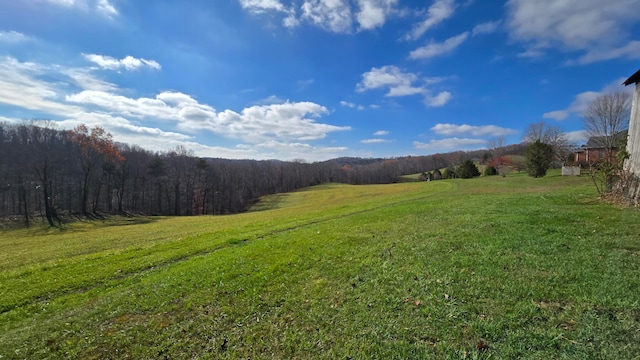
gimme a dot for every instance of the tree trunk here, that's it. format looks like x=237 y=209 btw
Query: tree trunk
x=22 y=193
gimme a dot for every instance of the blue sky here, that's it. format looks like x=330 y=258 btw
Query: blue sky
x=313 y=79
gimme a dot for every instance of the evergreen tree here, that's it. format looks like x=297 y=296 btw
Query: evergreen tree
x=539 y=158
x=467 y=170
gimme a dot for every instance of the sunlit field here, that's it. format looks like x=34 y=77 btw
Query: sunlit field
x=483 y=268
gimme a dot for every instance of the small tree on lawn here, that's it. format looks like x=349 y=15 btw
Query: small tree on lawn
x=539 y=158
x=467 y=170
x=503 y=164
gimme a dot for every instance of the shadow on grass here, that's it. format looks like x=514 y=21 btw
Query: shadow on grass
x=125 y=221
x=271 y=202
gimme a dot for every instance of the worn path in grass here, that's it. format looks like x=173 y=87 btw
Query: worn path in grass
x=482 y=268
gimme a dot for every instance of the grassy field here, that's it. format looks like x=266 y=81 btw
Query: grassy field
x=498 y=268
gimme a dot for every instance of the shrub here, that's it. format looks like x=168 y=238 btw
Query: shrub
x=490 y=170
x=467 y=170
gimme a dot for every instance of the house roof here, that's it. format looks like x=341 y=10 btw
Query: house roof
x=599 y=141
x=635 y=78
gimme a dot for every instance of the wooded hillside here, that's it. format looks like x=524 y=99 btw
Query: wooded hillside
x=54 y=174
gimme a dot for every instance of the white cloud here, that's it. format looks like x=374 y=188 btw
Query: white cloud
x=21 y=86
x=577 y=137
x=531 y=53
x=450 y=144
x=381 y=133
x=374 y=13
x=398 y=82
x=452 y=129
x=578 y=106
x=351 y=105
x=486 y=28
x=629 y=51
x=439 y=11
x=270 y=100
x=137 y=108
x=375 y=141
x=582 y=101
x=103 y=7
x=260 y=6
x=298 y=150
x=289 y=121
x=265 y=6
x=332 y=15
x=106 y=9
x=128 y=63
x=304 y=84
x=86 y=80
x=581 y=26
x=433 y=49
x=29 y=86
x=63 y=2
x=13 y=37
x=439 y=100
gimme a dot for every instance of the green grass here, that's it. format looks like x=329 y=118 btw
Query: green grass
x=483 y=268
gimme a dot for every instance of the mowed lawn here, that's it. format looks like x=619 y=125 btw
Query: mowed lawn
x=498 y=268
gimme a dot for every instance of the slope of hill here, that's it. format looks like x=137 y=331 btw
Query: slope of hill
x=491 y=267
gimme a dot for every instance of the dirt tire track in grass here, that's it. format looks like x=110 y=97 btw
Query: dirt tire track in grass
x=48 y=296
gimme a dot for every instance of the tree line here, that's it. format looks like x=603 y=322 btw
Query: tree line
x=55 y=175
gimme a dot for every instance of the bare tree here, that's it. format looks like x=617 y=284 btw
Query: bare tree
x=535 y=132
x=495 y=146
x=550 y=135
x=606 y=117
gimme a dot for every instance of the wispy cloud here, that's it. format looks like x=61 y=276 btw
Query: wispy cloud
x=599 y=33
x=270 y=100
x=128 y=63
x=375 y=141
x=290 y=19
x=439 y=11
x=381 y=133
x=582 y=101
x=23 y=85
x=305 y=84
x=486 y=28
x=106 y=8
x=13 y=37
x=452 y=129
x=450 y=144
x=351 y=105
x=438 y=100
x=102 y=7
x=433 y=49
